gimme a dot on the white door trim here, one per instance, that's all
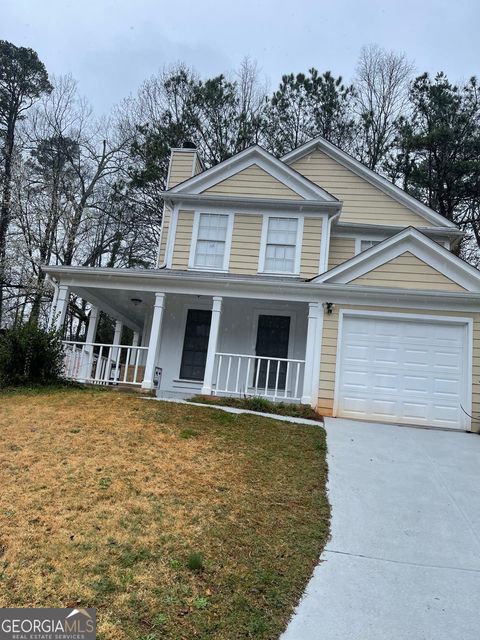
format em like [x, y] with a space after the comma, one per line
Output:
[414, 317]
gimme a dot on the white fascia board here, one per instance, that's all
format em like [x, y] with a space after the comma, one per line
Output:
[370, 176]
[156, 280]
[255, 205]
[409, 240]
[254, 155]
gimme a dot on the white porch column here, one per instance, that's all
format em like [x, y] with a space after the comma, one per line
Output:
[312, 352]
[87, 358]
[154, 341]
[135, 343]
[317, 362]
[92, 325]
[53, 306]
[212, 345]
[117, 338]
[61, 307]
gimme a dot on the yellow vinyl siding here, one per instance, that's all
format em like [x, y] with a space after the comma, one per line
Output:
[329, 355]
[183, 239]
[407, 272]
[245, 251]
[341, 250]
[253, 181]
[164, 237]
[362, 202]
[181, 166]
[312, 236]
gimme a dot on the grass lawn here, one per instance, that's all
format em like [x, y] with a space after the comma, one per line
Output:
[174, 521]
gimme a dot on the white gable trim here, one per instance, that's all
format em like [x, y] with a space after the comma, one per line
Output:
[414, 242]
[370, 176]
[251, 156]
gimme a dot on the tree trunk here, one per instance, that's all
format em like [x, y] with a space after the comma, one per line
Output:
[5, 208]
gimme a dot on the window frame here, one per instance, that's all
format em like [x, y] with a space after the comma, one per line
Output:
[263, 244]
[360, 239]
[228, 241]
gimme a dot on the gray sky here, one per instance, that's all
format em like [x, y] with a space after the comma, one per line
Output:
[110, 46]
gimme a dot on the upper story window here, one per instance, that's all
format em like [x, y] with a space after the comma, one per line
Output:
[211, 242]
[281, 245]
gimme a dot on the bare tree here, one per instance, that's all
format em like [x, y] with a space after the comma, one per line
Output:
[381, 97]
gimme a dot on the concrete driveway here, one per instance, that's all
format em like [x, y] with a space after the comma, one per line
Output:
[403, 561]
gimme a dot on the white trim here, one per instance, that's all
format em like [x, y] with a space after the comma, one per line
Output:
[370, 176]
[260, 157]
[172, 232]
[415, 242]
[325, 243]
[412, 317]
[194, 161]
[298, 244]
[163, 263]
[228, 240]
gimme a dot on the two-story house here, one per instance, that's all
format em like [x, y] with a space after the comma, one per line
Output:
[306, 279]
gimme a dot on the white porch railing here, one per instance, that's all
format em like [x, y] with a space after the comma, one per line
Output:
[272, 378]
[99, 363]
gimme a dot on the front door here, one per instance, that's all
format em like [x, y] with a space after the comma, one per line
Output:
[272, 341]
[195, 344]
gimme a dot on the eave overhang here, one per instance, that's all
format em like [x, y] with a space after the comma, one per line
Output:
[295, 290]
[252, 204]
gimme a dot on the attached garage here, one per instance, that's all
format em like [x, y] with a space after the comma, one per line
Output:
[404, 368]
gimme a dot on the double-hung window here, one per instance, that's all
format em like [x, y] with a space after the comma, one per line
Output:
[211, 241]
[281, 245]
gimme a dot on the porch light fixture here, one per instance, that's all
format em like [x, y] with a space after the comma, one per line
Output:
[328, 306]
[136, 301]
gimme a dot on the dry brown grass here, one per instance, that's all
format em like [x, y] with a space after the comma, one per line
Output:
[104, 496]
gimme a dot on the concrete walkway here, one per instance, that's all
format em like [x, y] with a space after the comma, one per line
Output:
[403, 561]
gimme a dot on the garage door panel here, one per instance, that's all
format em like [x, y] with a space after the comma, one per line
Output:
[417, 384]
[447, 387]
[402, 370]
[385, 382]
[415, 411]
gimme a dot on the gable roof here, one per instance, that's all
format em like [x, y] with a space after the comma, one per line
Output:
[409, 240]
[370, 176]
[258, 156]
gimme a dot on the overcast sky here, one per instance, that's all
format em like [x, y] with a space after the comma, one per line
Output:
[110, 46]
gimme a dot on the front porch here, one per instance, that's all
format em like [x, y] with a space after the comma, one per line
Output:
[185, 344]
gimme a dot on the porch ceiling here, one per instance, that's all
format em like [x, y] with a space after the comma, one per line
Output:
[118, 304]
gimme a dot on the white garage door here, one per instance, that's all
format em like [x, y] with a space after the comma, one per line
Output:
[408, 371]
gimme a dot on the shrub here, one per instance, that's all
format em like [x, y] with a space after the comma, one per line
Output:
[195, 561]
[30, 356]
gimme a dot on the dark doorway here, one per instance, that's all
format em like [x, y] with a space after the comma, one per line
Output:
[272, 341]
[195, 344]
